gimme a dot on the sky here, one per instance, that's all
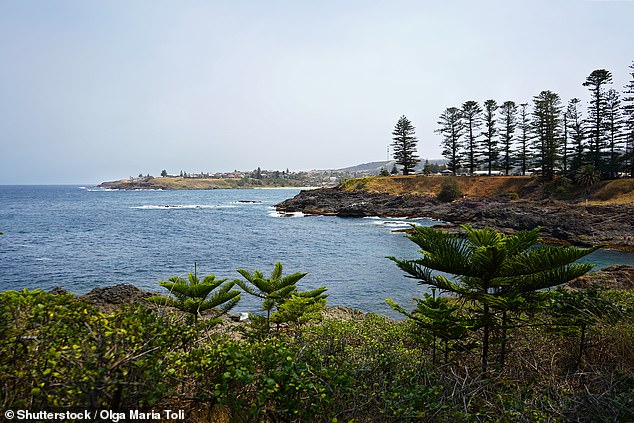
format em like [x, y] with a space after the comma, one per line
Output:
[101, 90]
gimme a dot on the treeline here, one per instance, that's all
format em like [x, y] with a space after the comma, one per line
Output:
[545, 134]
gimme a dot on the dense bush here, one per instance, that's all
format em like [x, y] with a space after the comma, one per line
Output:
[59, 352]
[449, 190]
[56, 351]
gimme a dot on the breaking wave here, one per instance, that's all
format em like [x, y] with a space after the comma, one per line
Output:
[182, 206]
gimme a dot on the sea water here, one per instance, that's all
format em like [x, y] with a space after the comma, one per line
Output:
[81, 238]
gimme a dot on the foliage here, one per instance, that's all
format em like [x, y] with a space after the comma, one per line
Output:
[499, 274]
[597, 114]
[546, 121]
[471, 113]
[574, 312]
[404, 145]
[442, 318]
[561, 188]
[489, 149]
[508, 112]
[266, 380]
[587, 175]
[449, 190]
[299, 310]
[451, 128]
[551, 138]
[57, 352]
[276, 290]
[192, 295]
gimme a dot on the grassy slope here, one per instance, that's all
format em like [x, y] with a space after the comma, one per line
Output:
[617, 191]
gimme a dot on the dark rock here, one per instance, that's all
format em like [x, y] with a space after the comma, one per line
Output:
[115, 295]
[611, 225]
[343, 313]
[58, 290]
[618, 276]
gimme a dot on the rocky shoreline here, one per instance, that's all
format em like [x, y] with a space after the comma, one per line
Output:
[617, 277]
[565, 222]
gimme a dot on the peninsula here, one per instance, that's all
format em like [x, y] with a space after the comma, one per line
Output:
[180, 183]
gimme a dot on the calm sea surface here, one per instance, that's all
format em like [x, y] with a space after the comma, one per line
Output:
[80, 238]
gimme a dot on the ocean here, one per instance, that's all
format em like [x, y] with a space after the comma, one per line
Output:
[80, 238]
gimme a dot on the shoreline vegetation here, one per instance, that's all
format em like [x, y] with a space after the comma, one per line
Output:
[113, 349]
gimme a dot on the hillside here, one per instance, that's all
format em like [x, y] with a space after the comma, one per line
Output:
[620, 191]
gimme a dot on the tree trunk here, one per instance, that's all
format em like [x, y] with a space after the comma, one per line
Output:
[503, 341]
[485, 340]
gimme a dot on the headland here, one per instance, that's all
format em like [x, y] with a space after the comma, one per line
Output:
[601, 214]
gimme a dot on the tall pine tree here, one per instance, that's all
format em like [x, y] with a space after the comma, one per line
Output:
[525, 138]
[596, 115]
[576, 146]
[508, 114]
[451, 128]
[471, 113]
[404, 145]
[614, 130]
[546, 117]
[564, 143]
[628, 109]
[489, 151]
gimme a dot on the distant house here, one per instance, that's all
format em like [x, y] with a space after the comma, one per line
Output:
[486, 173]
[446, 172]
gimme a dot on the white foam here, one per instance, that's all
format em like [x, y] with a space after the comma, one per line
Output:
[392, 223]
[97, 189]
[182, 206]
[275, 213]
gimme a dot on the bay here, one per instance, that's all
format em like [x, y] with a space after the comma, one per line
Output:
[80, 238]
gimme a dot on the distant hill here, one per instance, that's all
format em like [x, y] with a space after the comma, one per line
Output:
[375, 167]
[368, 167]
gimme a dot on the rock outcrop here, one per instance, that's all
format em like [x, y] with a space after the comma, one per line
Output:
[617, 276]
[578, 224]
[111, 296]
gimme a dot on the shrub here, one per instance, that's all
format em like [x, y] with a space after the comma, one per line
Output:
[276, 290]
[59, 352]
[192, 295]
[449, 190]
[503, 275]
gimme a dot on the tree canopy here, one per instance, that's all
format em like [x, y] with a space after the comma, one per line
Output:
[404, 145]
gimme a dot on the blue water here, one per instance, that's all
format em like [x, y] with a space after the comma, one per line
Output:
[81, 238]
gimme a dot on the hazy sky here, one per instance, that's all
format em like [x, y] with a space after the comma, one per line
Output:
[101, 90]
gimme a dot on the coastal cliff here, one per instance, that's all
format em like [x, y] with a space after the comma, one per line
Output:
[573, 222]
